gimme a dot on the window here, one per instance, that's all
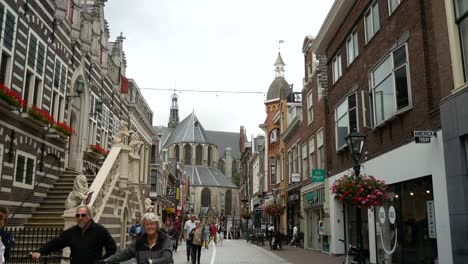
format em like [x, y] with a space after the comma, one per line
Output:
[153, 153]
[295, 167]
[336, 64]
[390, 86]
[320, 150]
[57, 104]
[304, 161]
[312, 160]
[32, 91]
[345, 119]
[188, 154]
[234, 167]
[25, 170]
[228, 202]
[392, 5]
[310, 109]
[371, 21]
[290, 165]
[92, 123]
[1, 160]
[352, 47]
[199, 155]
[104, 128]
[272, 171]
[461, 15]
[177, 153]
[154, 180]
[7, 33]
[221, 166]
[206, 197]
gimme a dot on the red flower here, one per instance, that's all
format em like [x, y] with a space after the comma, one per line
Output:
[357, 191]
[97, 148]
[64, 129]
[41, 115]
[11, 97]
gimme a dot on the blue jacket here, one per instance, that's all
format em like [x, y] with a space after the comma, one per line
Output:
[134, 232]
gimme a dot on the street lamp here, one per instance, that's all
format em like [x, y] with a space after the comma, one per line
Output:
[356, 142]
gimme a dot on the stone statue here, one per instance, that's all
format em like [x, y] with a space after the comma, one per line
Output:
[79, 193]
[120, 136]
[135, 143]
[148, 206]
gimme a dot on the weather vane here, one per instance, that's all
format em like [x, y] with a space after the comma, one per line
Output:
[279, 44]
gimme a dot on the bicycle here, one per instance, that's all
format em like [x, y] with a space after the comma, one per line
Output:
[351, 252]
[46, 259]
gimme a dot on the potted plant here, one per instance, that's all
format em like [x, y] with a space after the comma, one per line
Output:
[64, 129]
[97, 149]
[10, 99]
[360, 191]
[40, 116]
[274, 209]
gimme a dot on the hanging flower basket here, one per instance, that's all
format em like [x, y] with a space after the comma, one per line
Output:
[64, 129]
[274, 209]
[40, 115]
[360, 191]
[10, 99]
[96, 148]
[246, 215]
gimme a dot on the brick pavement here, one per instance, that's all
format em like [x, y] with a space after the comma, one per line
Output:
[301, 256]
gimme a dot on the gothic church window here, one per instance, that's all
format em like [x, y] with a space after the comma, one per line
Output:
[199, 154]
[206, 197]
[188, 154]
[221, 165]
[177, 153]
[228, 202]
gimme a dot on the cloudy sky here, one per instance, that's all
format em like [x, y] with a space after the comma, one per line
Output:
[227, 45]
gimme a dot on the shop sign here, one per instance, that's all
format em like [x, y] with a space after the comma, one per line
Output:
[177, 192]
[296, 177]
[318, 175]
[382, 215]
[423, 136]
[170, 192]
[431, 221]
[392, 215]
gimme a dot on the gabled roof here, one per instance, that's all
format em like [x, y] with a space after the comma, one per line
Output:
[225, 140]
[207, 176]
[188, 130]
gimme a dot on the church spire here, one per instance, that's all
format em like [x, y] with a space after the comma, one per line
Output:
[279, 66]
[174, 115]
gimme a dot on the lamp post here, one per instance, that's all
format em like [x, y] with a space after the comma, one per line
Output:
[356, 142]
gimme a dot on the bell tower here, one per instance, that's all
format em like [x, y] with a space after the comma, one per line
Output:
[174, 114]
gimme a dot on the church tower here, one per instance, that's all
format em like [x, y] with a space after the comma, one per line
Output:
[174, 115]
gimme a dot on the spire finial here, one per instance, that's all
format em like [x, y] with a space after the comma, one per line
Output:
[279, 44]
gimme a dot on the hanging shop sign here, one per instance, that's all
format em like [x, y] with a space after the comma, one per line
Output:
[296, 177]
[423, 136]
[318, 175]
[170, 192]
[177, 192]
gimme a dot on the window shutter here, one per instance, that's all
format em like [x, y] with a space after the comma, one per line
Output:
[20, 169]
[29, 171]
[367, 109]
[57, 74]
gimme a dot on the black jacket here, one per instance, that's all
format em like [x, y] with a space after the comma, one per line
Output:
[85, 247]
[160, 253]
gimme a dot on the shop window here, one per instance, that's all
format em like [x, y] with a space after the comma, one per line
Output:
[461, 18]
[336, 67]
[345, 119]
[310, 108]
[390, 89]
[352, 47]
[371, 21]
[25, 168]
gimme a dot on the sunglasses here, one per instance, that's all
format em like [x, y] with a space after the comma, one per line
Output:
[81, 215]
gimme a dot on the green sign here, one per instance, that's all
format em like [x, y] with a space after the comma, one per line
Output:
[318, 175]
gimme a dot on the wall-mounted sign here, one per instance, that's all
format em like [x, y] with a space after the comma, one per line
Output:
[392, 215]
[170, 192]
[431, 221]
[177, 192]
[318, 175]
[423, 136]
[382, 215]
[296, 177]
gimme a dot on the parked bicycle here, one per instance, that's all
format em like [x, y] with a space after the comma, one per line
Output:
[352, 255]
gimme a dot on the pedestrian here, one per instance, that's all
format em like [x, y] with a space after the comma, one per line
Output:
[213, 232]
[196, 238]
[86, 240]
[189, 225]
[7, 240]
[2, 246]
[206, 234]
[136, 230]
[177, 228]
[168, 229]
[220, 233]
[153, 247]
[294, 237]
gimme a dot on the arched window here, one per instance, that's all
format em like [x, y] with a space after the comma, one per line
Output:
[206, 198]
[234, 167]
[177, 153]
[188, 154]
[210, 155]
[221, 166]
[228, 202]
[199, 155]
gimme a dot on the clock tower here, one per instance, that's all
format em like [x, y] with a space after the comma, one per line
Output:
[174, 114]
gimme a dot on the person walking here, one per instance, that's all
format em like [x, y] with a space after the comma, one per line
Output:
[189, 225]
[168, 229]
[136, 230]
[7, 240]
[295, 237]
[153, 247]
[196, 238]
[213, 231]
[86, 240]
[206, 234]
[177, 228]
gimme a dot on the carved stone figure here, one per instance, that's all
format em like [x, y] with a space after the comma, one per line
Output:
[120, 136]
[135, 143]
[148, 206]
[79, 193]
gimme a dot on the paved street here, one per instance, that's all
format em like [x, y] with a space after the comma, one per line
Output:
[241, 252]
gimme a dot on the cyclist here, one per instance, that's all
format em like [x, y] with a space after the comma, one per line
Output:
[86, 240]
[153, 247]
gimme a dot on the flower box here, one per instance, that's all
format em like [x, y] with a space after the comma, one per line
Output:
[360, 191]
[41, 116]
[275, 210]
[63, 129]
[10, 99]
[97, 149]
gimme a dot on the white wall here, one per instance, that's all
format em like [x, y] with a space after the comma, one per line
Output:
[404, 163]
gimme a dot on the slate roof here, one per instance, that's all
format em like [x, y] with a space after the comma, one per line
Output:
[207, 176]
[279, 88]
[224, 140]
[188, 130]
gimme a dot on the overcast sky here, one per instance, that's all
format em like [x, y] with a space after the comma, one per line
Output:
[213, 45]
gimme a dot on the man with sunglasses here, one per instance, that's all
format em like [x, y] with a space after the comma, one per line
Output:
[86, 240]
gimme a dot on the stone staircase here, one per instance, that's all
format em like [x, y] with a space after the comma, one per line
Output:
[50, 211]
